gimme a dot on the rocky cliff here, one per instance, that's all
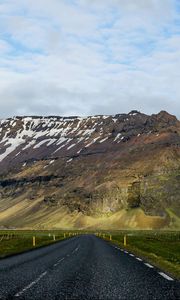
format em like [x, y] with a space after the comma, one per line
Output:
[120, 171]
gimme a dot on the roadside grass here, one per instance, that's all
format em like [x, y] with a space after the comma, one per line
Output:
[160, 248]
[13, 242]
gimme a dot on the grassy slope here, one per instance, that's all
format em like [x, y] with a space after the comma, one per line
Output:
[37, 216]
[21, 211]
[175, 220]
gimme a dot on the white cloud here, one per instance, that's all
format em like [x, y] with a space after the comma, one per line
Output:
[4, 47]
[106, 56]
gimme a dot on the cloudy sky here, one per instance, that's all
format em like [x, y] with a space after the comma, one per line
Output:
[83, 57]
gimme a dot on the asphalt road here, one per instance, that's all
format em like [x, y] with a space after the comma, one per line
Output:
[83, 267]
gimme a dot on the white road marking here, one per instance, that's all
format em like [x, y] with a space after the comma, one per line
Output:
[55, 265]
[126, 251]
[76, 249]
[166, 276]
[131, 254]
[37, 280]
[60, 260]
[138, 258]
[31, 284]
[148, 265]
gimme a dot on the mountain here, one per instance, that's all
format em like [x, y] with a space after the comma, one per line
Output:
[108, 172]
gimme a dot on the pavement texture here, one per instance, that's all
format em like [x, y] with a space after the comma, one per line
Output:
[83, 267]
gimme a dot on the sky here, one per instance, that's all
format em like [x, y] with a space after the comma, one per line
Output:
[87, 57]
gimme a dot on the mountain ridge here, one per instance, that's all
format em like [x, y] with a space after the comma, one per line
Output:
[98, 171]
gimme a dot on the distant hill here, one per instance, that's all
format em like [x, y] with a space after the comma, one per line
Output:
[108, 172]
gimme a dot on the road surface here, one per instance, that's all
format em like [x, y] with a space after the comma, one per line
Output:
[83, 267]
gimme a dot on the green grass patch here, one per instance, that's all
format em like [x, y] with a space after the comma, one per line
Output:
[13, 242]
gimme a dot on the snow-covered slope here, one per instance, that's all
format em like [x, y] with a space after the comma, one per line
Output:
[28, 137]
[25, 138]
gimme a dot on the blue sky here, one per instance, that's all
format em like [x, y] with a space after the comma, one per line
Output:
[86, 57]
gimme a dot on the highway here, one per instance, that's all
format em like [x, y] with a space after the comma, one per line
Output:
[83, 267]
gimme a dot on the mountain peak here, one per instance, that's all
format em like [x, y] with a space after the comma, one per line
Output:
[134, 112]
[164, 116]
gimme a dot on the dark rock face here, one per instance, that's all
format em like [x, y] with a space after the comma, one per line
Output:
[24, 181]
[94, 166]
[134, 197]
